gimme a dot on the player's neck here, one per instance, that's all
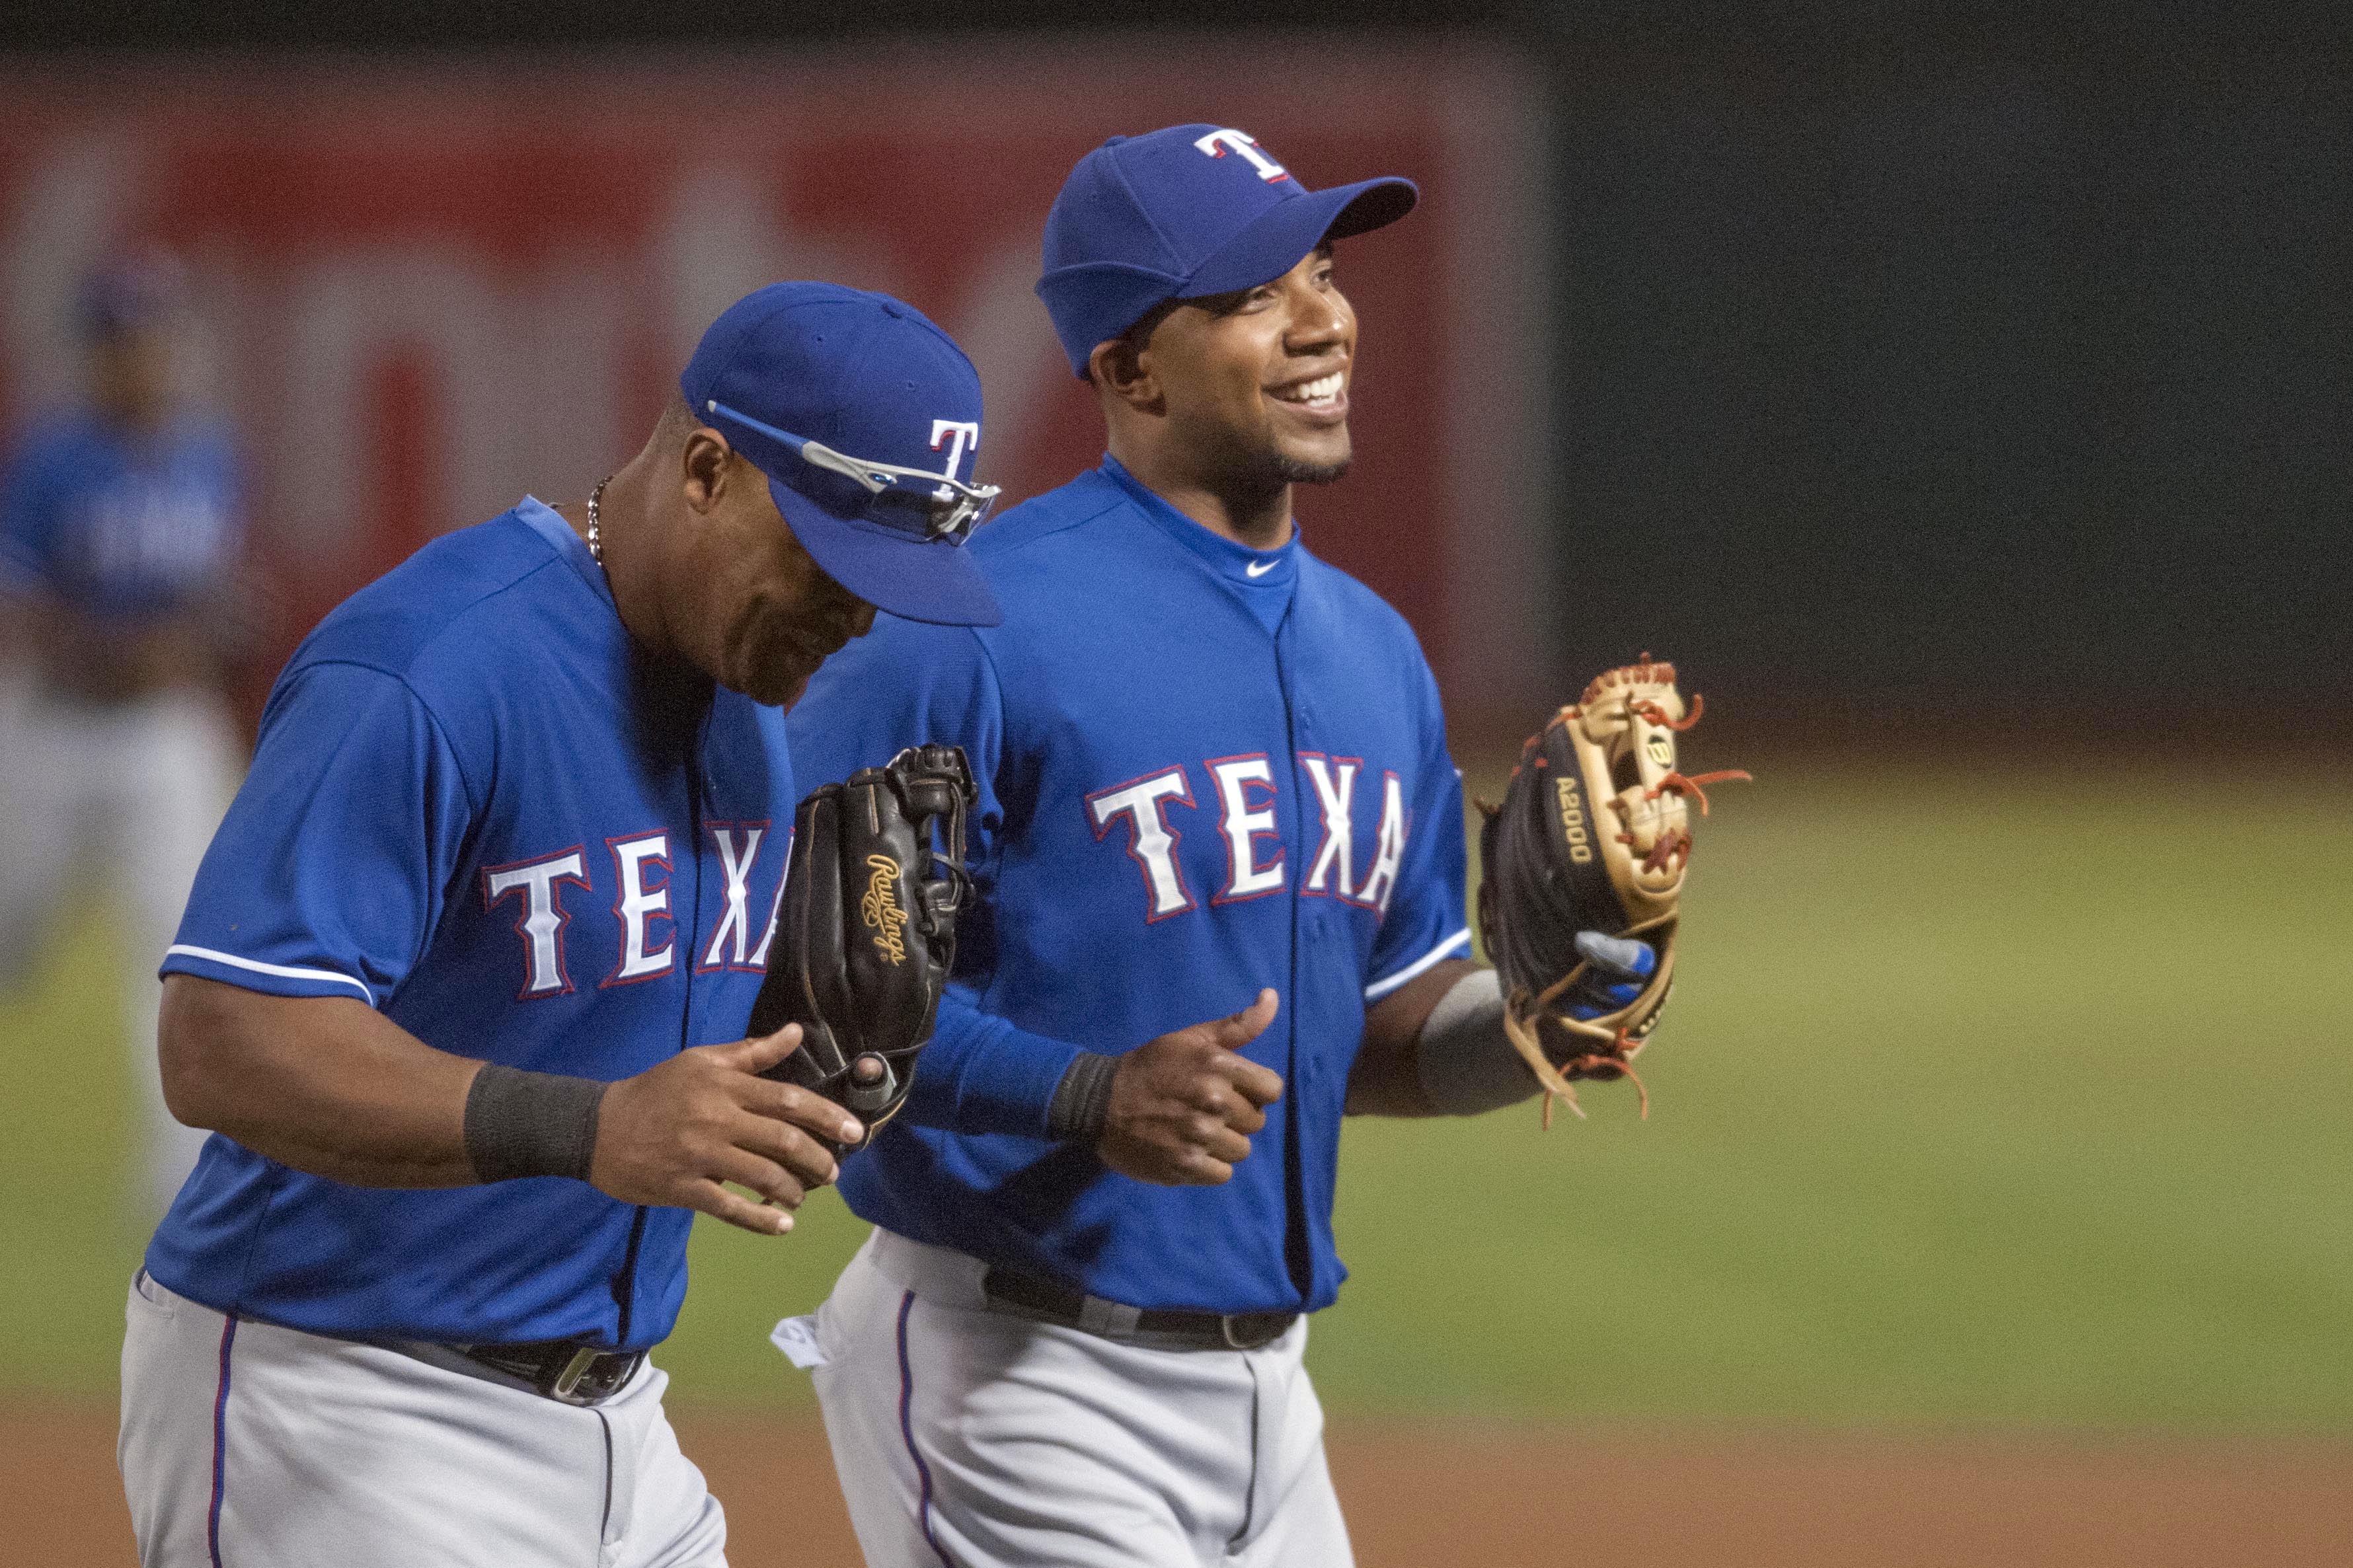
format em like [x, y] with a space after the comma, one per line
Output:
[1257, 517]
[628, 569]
[1253, 522]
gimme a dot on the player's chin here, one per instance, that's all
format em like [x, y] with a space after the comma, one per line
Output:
[779, 680]
[1318, 463]
[782, 692]
[1308, 454]
[773, 670]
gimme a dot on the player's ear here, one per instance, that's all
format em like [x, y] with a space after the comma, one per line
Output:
[705, 465]
[1119, 368]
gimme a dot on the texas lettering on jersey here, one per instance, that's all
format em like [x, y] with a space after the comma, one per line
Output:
[645, 926]
[1247, 798]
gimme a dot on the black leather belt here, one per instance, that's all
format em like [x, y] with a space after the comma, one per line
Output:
[561, 1368]
[1047, 1301]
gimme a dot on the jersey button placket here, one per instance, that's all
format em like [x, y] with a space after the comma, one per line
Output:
[1300, 718]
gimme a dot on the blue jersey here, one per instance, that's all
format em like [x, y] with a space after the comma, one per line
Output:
[120, 527]
[478, 809]
[1203, 771]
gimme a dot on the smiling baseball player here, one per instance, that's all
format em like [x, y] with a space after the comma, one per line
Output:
[1214, 780]
[460, 984]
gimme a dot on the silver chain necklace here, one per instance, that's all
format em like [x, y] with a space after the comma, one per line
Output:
[596, 499]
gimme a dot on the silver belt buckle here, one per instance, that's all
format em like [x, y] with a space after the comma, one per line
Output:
[568, 1380]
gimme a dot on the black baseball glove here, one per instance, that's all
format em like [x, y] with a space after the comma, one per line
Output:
[867, 933]
[1583, 879]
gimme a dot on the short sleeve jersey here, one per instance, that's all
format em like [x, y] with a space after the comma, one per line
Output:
[477, 807]
[1204, 771]
[120, 527]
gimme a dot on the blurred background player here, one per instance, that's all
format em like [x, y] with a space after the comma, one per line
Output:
[119, 541]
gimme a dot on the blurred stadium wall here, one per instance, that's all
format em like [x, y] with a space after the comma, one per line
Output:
[1986, 386]
[1919, 376]
[433, 288]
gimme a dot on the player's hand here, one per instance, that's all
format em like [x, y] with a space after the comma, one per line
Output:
[1183, 1106]
[672, 1134]
[1616, 968]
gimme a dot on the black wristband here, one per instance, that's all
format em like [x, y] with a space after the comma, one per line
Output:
[522, 1123]
[1082, 1101]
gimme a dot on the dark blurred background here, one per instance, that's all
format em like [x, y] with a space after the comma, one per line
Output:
[1917, 370]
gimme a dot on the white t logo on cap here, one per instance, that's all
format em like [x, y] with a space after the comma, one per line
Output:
[1216, 142]
[958, 434]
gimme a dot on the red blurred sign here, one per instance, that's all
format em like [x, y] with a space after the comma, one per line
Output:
[434, 288]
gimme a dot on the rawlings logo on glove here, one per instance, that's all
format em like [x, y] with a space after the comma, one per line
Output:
[860, 950]
[1584, 867]
[880, 908]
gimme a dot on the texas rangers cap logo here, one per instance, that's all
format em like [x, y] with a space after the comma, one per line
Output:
[1217, 143]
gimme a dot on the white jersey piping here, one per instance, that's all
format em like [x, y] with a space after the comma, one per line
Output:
[284, 972]
[1380, 988]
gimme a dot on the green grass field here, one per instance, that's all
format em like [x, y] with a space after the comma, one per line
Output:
[1980, 1103]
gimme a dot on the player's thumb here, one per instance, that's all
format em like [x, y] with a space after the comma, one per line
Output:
[1239, 1029]
[761, 1052]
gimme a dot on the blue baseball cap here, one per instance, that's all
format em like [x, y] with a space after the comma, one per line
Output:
[1184, 213]
[865, 417]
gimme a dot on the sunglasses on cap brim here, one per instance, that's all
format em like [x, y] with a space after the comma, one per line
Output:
[948, 508]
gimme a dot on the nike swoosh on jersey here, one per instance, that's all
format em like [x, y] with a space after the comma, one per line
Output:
[1260, 568]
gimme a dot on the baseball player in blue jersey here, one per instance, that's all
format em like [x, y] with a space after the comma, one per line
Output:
[119, 545]
[460, 984]
[1214, 781]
